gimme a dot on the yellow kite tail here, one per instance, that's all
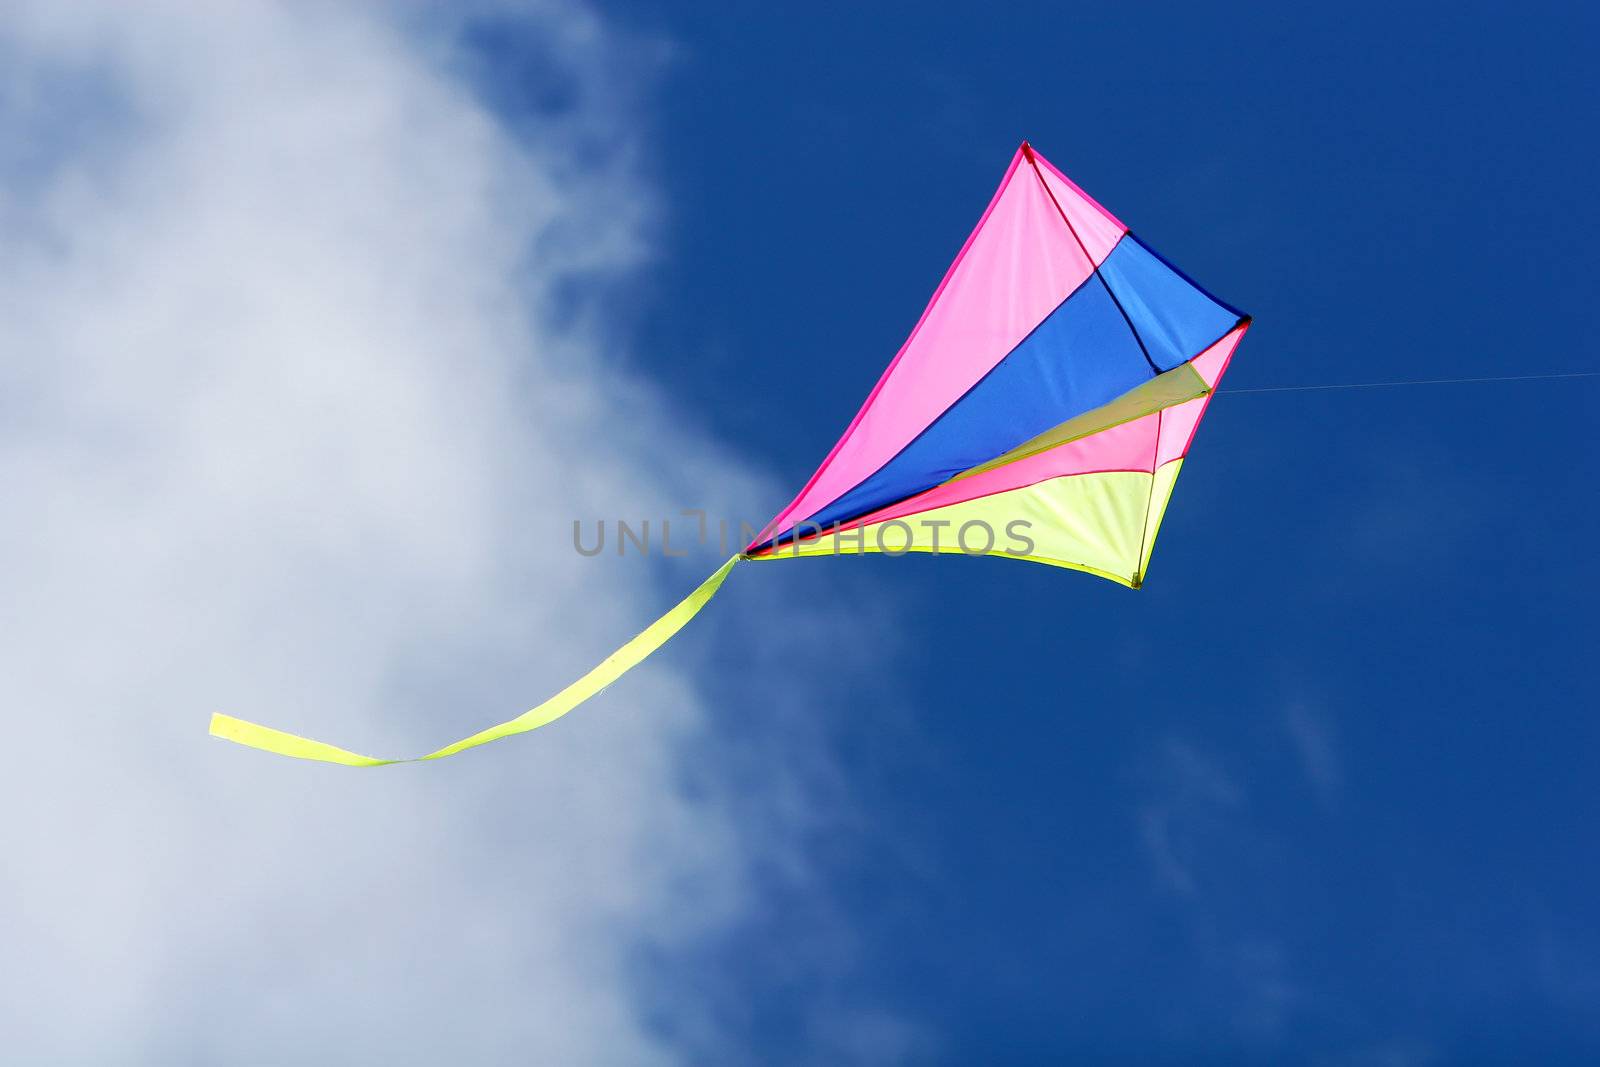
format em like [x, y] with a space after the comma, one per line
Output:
[610, 669]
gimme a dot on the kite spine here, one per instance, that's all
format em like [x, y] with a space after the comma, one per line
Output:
[1027, 153]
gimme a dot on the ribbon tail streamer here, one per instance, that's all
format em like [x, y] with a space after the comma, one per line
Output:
[610, 669]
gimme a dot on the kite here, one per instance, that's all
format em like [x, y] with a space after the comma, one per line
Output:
[1040, 409]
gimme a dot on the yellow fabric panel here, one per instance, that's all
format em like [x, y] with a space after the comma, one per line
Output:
[1160, 495]
[1180, 384]
[1089, 522]
[610, 669]
[1120, 579]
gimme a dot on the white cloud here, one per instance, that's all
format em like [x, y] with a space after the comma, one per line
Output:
[295, 409]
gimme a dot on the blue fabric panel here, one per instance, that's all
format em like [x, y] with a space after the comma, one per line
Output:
[1176, 318]
[1080, 357]
[1083, 355]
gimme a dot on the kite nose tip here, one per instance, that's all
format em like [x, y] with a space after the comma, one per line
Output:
[1027, 150]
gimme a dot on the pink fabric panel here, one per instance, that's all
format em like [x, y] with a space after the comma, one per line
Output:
[1017, 266]
[1099, 228]
[1211, 363]
[1179, 423]
[1177, 428]
[1128, 447]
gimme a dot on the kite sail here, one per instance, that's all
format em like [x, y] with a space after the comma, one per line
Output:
[1041, 409]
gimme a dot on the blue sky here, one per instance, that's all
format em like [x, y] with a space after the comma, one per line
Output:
[1323, 791]
[323, 323]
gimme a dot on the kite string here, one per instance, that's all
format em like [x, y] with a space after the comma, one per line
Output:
[1416, 381]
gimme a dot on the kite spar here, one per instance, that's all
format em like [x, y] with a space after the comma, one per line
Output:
[1041, 409]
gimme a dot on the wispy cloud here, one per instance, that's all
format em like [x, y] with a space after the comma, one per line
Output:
[1192, 791]
[1203, 847]
[1400, 1052]
[1314, 742]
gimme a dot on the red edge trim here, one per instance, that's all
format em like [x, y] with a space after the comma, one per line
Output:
[782, 516]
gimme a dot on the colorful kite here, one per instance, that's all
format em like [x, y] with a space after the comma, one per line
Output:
[1041, 409]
